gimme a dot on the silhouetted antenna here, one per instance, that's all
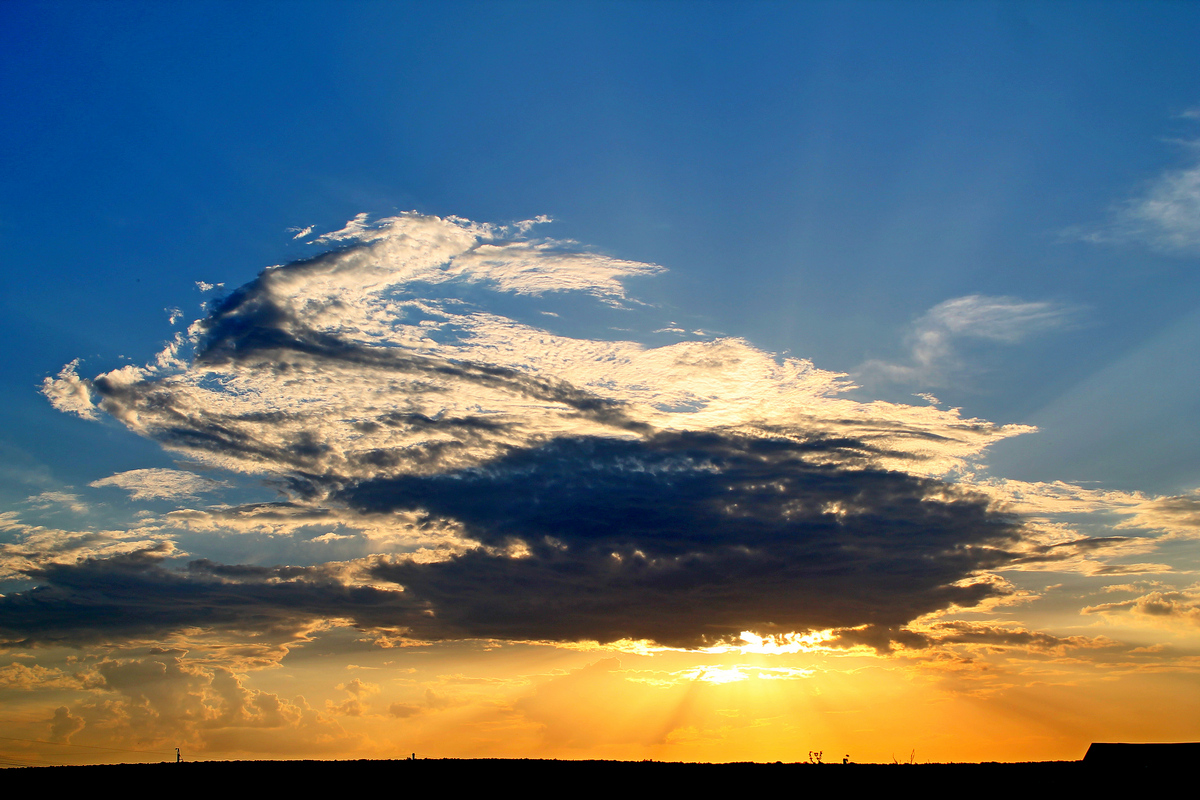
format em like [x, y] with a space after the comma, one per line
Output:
[178, 757]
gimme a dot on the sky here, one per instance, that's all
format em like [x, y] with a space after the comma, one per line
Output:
[686, 381]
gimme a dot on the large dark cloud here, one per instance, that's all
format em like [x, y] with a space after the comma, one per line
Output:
[135, 595]
[685, 539]
[603, 490]
[689, 538]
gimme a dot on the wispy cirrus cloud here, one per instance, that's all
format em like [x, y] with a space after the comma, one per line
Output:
[147, 484]
[57, 500]
[1165, 216]
[937, 338]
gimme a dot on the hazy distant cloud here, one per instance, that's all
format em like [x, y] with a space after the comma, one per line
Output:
[354, 705]
[557, 703]
[992, 635]
[147, 484]
[64, 725]
[1182, 606]
[161, 699]
[404, 710]
[937, 337]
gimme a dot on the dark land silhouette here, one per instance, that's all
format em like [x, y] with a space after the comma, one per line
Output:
[1106, 765]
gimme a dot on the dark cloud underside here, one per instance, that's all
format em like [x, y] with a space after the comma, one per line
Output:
[688, 538]
[684, 539]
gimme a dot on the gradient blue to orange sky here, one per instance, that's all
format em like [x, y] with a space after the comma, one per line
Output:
[688, 381]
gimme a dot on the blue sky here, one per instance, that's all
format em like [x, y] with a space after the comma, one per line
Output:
[815, 176]
[990, 207]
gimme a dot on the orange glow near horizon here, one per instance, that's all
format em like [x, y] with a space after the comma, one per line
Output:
[540, 701]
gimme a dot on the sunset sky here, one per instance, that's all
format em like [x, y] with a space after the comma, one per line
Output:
[687, 381]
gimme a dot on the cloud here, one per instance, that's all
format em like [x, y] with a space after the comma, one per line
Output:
[36, 677]
[354, 705]
[537, 486]
[403, 710]
[716, 534]
[1054, 513]
[358, 688]
[70, 394]
[161, 699]
[938, 336]
[1179, 515]
[991, 636]
[49, 500]
[132, 595]
[1166, 607]
[416, 535]
[1167, 216]
[64, 725]
[414, 248]
[32, 547]
[147, 484]
[345, 365]
[537, 267]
